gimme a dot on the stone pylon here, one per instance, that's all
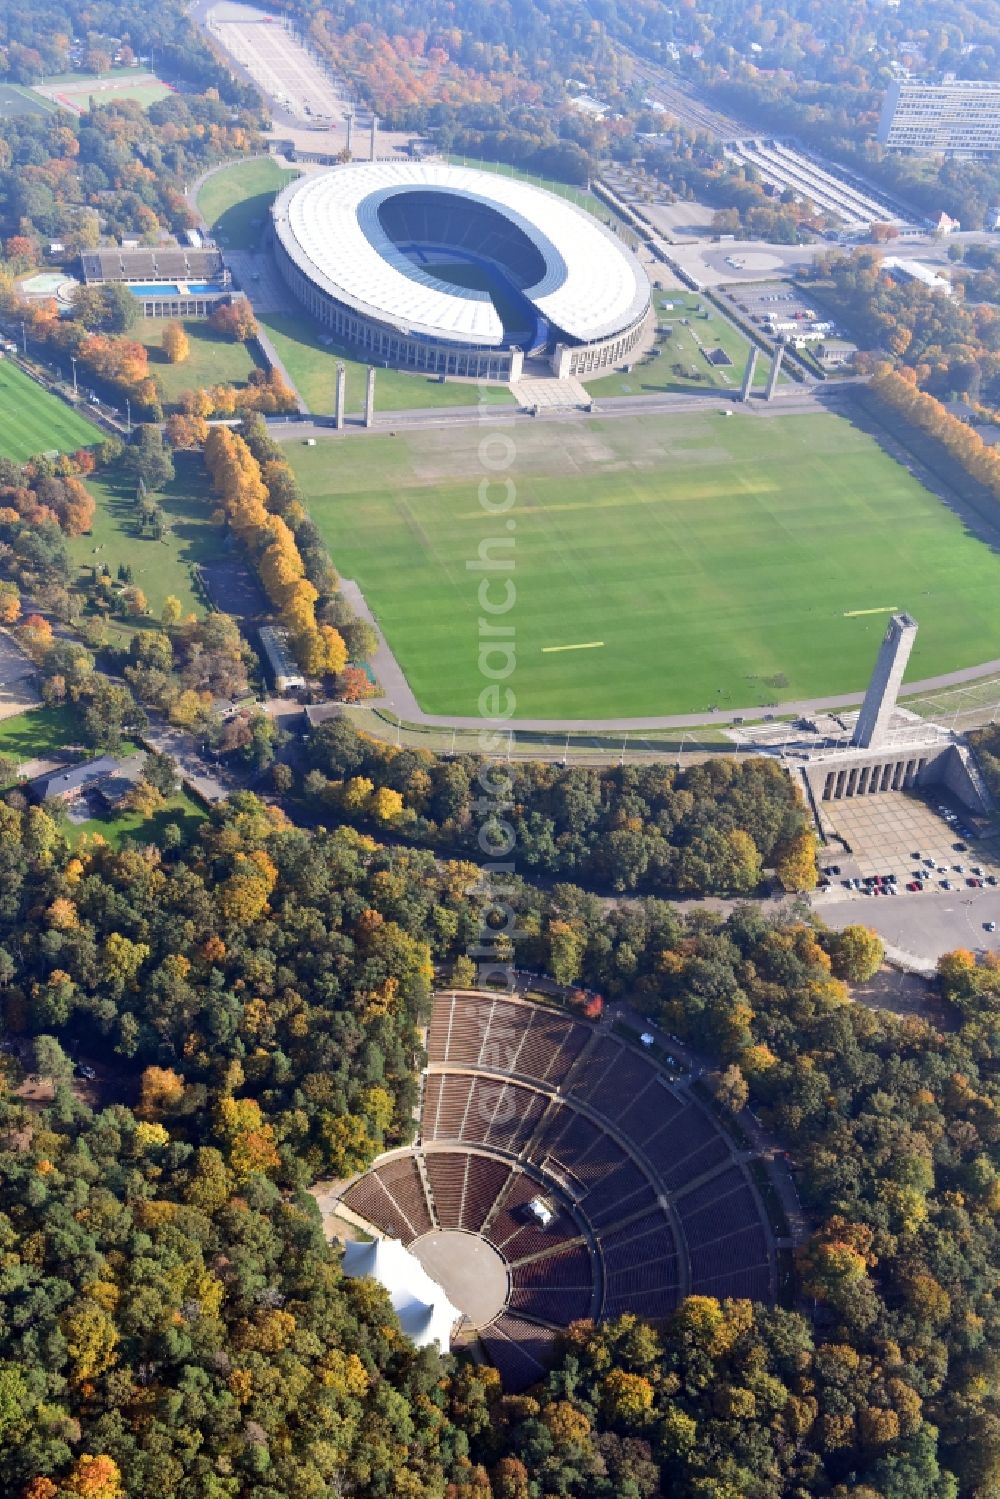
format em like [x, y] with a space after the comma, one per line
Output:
[370, 398]
[872, 728]
[749, 372]
[338, 408]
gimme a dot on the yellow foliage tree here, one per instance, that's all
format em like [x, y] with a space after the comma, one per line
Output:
[170, 615]
[796, 864]
[626, 1398]
[161, 1092]
[91, 1339]
[175, 343]
[94, 1478]
[386, 805]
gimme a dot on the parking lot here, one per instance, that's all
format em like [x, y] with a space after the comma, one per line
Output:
[896, 833]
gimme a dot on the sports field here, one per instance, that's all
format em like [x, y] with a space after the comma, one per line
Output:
[691, 561]
[33, 421]
[74, 91]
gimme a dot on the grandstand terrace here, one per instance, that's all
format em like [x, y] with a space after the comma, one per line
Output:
[645, 1199]
[173, 263]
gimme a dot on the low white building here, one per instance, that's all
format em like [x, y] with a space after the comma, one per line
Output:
[915, 270]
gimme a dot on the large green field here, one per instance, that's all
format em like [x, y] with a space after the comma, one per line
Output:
[701, 560]
[33, 421]
[235, 202]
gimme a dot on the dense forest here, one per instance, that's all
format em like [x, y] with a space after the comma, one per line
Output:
[714, 827]
[116, 168]
[171, 1319]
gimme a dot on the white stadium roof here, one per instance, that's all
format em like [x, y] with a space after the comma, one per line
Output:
[424, 1311]
[328, 223]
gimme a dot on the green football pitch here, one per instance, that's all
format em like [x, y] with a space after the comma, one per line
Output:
[33, 421]
[661, 564]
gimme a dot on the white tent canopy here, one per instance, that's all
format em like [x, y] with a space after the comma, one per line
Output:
[424, 1311]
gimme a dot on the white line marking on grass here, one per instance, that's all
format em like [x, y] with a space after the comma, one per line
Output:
[885, 609]
[587, 645]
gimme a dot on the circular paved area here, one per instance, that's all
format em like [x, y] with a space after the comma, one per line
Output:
[470, 1271]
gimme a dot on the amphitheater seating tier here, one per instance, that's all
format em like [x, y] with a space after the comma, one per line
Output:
[629, 1160]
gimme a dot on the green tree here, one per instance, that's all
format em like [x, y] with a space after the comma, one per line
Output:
[148, 458]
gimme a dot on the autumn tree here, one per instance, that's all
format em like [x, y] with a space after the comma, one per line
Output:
[796, 866]
[857, 953]
[175, 343]
[234, 319]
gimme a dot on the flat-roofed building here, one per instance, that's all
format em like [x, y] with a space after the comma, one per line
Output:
[961, 117]
[283, 666]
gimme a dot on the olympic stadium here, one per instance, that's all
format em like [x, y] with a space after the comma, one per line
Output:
[451, 271]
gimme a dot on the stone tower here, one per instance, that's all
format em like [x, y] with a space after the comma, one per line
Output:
[872, 728]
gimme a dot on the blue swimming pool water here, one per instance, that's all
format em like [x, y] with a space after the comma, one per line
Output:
[170, 289]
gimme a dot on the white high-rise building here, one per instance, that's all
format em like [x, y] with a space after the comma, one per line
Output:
[962, 117]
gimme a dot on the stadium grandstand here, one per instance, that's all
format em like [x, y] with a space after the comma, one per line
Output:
[167, 281]
[604, 1185]
[452, 271]
[172, 263]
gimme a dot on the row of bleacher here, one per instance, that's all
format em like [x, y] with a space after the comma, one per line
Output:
[173, 264]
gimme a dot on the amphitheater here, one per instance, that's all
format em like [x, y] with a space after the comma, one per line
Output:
[452, 271]
[649, 1200]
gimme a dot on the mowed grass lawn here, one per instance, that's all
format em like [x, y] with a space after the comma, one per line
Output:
[159, 567]
[34, 421]
[235, 202]
[313, 368]
[212, 360]
[703, 560]
[180, 809]
[43, 731]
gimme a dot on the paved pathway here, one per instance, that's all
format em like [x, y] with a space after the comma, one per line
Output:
[212, 782]
[788, 401]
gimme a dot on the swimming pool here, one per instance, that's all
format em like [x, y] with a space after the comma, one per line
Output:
[171, 289]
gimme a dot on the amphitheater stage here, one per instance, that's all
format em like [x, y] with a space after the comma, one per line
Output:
[471, 1272]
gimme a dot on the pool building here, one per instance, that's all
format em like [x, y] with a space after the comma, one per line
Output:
[169, 283]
